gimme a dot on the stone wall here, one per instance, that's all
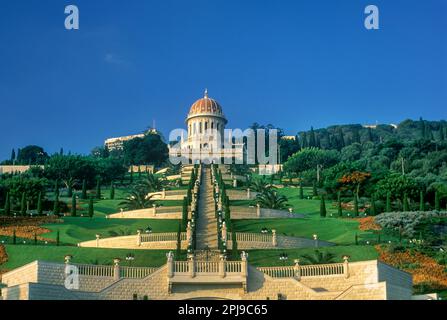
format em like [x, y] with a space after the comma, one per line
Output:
[174, 213]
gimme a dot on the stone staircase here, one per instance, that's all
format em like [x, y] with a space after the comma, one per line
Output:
[206, 222]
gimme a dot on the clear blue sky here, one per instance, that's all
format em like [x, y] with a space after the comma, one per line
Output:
[294, 64]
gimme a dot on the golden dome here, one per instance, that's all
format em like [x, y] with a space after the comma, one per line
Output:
[206, 105]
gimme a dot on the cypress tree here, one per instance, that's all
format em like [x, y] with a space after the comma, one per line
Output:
[23, 205]
[131, 174]
[91, 210]
[7, 210]
[56, 209]
[179, 241]
[339, 208]
[437, 201]
[56, 189]
[234, 250]
[13, 155]
[373, 206]
[322, 207]
[57, 238]
[314, 189]
[14, 237]
[98, 189]
[84, 190]
[312, 140]
[112, 191]
[70, 190]
[39, 204]
[139, 172]
[35, 239]
[421, 201]
[301, 191]
[73, 205]
[185, 213]
[405, 203]
[388, 202]
[356, 205]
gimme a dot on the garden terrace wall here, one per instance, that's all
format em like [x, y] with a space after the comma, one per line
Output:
[174, 213]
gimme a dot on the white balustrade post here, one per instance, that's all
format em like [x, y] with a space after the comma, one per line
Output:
[163, 193]
[188, 232]
[346, 266]
[154, 206]
[222, 262]
[122, 212]
[274, 238]
[170, 263]
[234, 183]
[138, 238]
[258, 210]
[248, 194]
[297, 269]
[116, 269]
[224, 232]
[97, 240]
[244, 269]
[192, 266]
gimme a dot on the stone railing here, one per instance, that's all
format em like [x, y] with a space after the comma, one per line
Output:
[298, 271]
[136, 272]
[116, 271]
[167, 236]
[95, 270]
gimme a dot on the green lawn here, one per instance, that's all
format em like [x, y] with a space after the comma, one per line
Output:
[20, 255]
[77, 229]
[266, 258]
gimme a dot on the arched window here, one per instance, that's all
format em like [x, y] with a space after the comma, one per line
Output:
[200, 127]
[212, 124]
[206, 125]
[194, 128]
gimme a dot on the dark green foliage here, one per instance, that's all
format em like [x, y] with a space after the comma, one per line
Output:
[98, 189]
[314, 189]
[356, 205]
[179, 240]
[234, 250]
[339, 207]
[73, 205]
[14, 237]
[301, 191]
[35, 239]
[84, 190]
[421, 201]
[373, 210]
[356, 239]
[39, 204]
[437, 201]
[406, 205]
[112, 191]
[185, 213]
[57, 238]
[148, 150]
[23, 205]
[56, 206]
[91, 210]
[388, 202]
[323, 211]
[7, 208]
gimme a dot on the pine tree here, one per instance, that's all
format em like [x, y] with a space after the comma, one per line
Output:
[112, 191]
[341, 138]
[39, 204]
[339, 207]
[437, 201]
[388, 202]
[57, 238]
[73, 205]
[322, 207]
[61, 151]
[421, 201]
[91, 210]
[356, 205]
[7, 210]
[301, 191]
[405, 203]
[370, 135]
[13, 155]
[84, 190]
[98, 189]
[23, 205]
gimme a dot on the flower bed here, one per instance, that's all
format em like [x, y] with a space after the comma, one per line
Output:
[425, 270]
[26, 228]
[367, 224]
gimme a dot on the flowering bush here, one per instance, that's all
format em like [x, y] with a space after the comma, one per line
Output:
[425, 270]
[368, 223]
[405, 221]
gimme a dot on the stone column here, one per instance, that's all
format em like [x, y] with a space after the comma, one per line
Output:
[274, 238]
[97, 240]
[234, 183]
[346, 266]
[224, 232]
[170, 263]
[122, 213]
[222, 271]
[67, 259]
[138, 238]
[116, 269]
[244, 264]
[258, 210]
[191, 266]
[248, 193]
[297, 269]
[163, 193]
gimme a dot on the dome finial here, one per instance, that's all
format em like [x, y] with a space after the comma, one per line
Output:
[206, 93]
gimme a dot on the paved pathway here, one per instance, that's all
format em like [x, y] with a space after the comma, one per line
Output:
[206, 222]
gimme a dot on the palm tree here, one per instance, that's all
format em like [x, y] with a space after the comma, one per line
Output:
[137, 199]
[270, 198]
[259, 185]
[153, 183]
[319, 257]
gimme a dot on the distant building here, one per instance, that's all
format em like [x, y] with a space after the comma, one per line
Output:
[374, 126]
[291, 138]
[118, 142]
[15, 169]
